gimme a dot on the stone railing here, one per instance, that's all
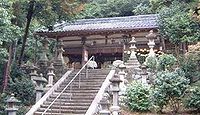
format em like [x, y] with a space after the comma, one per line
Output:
[94, 106]
[50, 91]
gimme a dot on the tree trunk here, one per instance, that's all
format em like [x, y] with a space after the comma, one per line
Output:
[8, 67]
[29, 17]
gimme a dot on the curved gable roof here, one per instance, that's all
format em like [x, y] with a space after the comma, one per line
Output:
[103, 25]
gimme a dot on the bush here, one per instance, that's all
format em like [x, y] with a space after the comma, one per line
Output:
[151, 62]
[166, 61]
[137, 97]
[190, 66]
[193, 100]
[23, 89]
[169, 88]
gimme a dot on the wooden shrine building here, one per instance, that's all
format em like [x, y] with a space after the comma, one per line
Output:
[105, 38]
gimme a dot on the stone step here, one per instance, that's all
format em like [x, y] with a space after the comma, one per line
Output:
[86, 85]
[40, 113]
[72, 96]
[76, 91]
[68, 101]
[78, 100]
[66, 107]
[68, 104]
[63, 111]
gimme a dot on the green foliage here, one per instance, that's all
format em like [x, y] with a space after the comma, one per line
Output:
[151, 62]
[176, 24]
[112, 8]
[166, 61]
[2, 103]
[190, 67]
[193, 100]
[137, 97]
[23, 88]
[169, 88]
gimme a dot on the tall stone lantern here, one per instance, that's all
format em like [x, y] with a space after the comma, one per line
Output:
[132, 62]
[59, 63]
[43, 61]
[151, 37]
[115, 80]
[12, 108]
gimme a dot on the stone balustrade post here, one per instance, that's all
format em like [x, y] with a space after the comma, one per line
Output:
[115, 80]
[50, 76]
[11, 105]
[151, 37]
[122, 75]
[144, 74]
[104, 105]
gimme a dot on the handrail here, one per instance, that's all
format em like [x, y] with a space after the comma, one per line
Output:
[68, 85]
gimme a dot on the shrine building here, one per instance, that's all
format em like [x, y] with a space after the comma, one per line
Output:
[105, 38]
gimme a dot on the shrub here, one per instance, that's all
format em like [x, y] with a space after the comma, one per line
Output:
[193, 100]
[169, 88]
[166, 61]
[137, 97]
[23, 89]
[151, 62]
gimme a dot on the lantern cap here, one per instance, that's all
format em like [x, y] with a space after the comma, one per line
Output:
[122, 66]
[12, 99]
[115, 79]
[151, 35]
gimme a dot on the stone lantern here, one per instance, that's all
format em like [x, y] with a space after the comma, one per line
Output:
[33, 73]
[38, 81]
[151, 37]
[122, 74]
[43, 61]
[105, 105]
[115, 81]
[132, 62]
[12, 108]
[59, 62]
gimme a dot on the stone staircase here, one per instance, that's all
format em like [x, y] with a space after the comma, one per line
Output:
[78, 100]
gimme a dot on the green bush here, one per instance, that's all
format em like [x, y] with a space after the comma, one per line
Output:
[137, 97]
[193, 100]
[23, 89]
[190, 66]
[151, 62]
[169, 88]
[166, 61]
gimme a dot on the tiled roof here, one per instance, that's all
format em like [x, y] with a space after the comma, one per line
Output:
[113, 23]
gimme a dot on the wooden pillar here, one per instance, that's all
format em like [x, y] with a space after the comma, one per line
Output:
[84, 51]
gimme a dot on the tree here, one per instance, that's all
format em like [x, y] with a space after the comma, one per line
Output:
[117, 8]
[176, 25]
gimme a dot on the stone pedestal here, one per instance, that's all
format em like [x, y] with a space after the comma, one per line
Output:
[115, 109]
[39, 92]
[11, 105]
[104, 105]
